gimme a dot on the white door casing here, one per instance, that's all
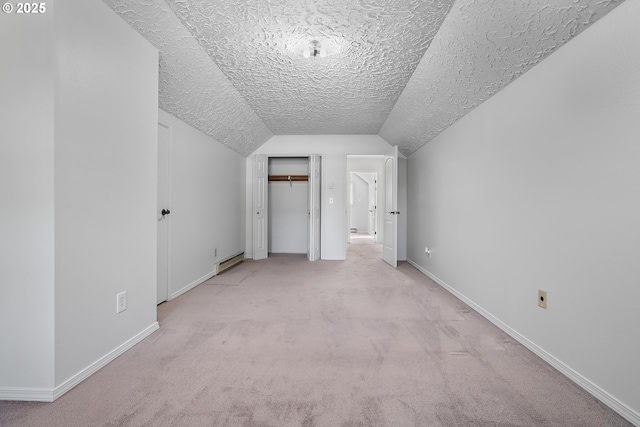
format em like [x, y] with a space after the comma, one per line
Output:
[162, 280]
[313, 252]
[260, 206]
[390, 247]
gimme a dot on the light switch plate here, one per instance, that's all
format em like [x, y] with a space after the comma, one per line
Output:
[121, 302]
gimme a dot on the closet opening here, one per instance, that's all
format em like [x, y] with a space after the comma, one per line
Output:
[288, 190]
[286, 200]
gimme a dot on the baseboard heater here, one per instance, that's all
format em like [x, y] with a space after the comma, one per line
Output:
[229, 262]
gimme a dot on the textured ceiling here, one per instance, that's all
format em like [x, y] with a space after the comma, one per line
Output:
[351, 92]
[481, 47]
[406, 69]
[192, 87]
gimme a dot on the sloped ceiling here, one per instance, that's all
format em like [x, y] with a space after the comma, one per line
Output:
[481, 47]
[404, 69]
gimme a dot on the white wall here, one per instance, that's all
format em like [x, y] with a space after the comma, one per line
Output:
[78, 194]
[288, 207]
[26, 197]
[105, 184]
[334, 150]
[207, 205]
[538, 189]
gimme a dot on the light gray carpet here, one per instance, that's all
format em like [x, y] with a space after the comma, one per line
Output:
[328, 343]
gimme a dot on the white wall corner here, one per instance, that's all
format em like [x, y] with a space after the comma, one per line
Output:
[51, 394]
[191, 285]
[600, 394]
[103, 361]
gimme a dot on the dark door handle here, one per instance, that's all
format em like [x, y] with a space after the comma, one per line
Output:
[165, 212]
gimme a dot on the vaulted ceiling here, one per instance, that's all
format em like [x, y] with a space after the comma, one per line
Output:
[403, 69]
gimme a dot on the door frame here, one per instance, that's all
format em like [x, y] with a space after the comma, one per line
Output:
[256, 188]
[378, 169]
[372, 201]
[160, 217]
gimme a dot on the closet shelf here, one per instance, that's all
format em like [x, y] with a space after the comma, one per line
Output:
[288, 178]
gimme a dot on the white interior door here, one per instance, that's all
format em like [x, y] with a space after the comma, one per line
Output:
[373, 203]
[313, 253]
[390, 247]
[164, 138]
[260, 206]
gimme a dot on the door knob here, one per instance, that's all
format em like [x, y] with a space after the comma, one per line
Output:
[165, 212]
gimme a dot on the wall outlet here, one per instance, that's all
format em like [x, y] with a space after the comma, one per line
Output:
[542, 299]
[121, 302]
[427, 251]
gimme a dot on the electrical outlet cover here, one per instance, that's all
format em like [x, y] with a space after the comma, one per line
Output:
[542, 299]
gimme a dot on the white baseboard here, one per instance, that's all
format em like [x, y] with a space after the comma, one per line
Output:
[51, 394]
[103, 361]
[191, 285]
[602, 395]
[27, 394]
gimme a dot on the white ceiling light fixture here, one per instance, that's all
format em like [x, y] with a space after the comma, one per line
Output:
[314, 50]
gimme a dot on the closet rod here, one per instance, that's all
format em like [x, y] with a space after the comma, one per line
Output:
[288, 178]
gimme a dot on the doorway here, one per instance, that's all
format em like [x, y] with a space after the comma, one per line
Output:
[391, 201]
[365, 168]
[363, 203]
[288, 189]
